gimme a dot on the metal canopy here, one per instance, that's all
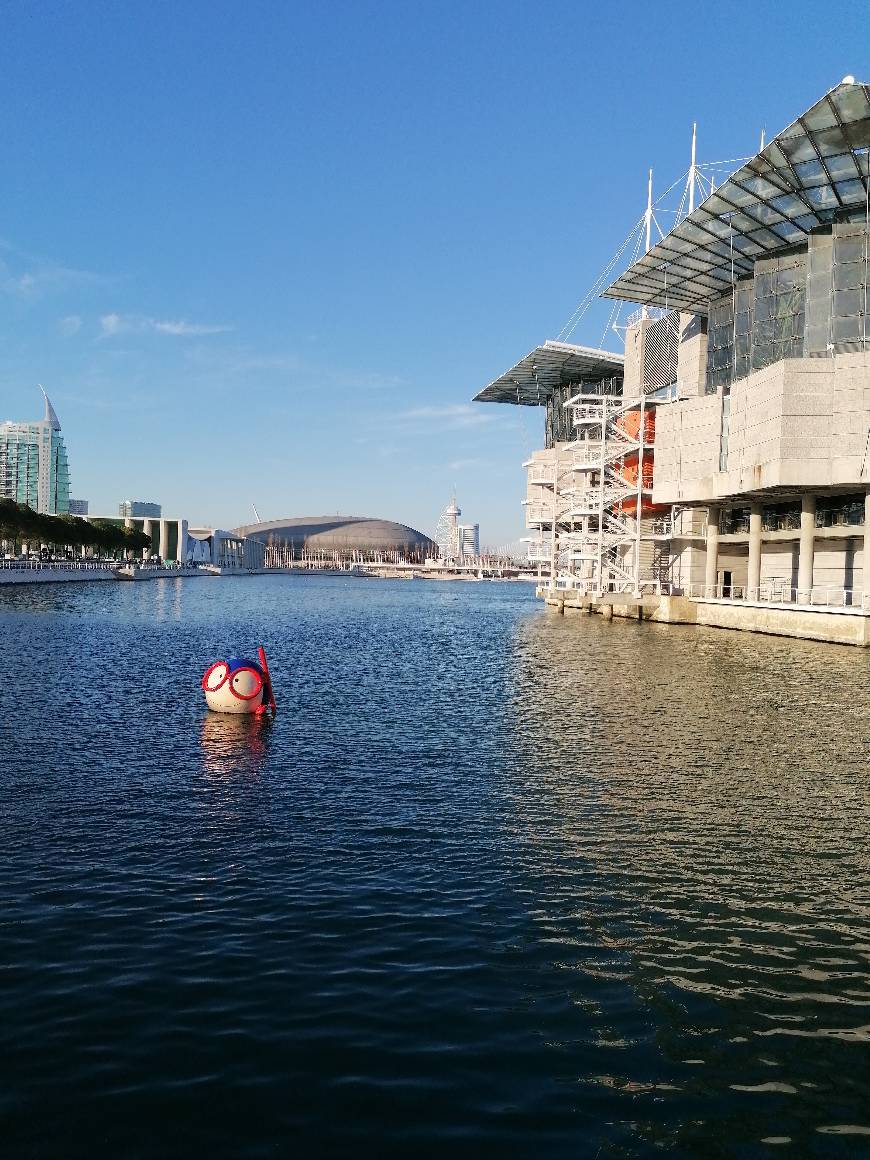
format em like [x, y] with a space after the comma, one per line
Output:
[800, 180]
[555, 364]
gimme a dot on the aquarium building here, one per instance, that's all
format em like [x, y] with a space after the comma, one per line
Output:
[750, 351]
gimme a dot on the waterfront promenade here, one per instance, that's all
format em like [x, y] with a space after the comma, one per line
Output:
[38, 572]
[83, 571]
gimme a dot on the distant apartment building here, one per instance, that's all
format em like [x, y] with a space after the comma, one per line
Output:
[33, 463]
[468, 536]
[78, 507]
[139, 509]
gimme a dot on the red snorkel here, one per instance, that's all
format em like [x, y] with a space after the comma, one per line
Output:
[268, 694]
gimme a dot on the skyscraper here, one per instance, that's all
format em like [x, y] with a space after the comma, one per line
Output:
[33, 463]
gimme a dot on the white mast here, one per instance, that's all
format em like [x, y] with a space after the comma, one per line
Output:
[693, 168]
[649, 217]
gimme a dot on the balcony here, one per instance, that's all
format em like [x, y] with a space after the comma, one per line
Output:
[542, 473]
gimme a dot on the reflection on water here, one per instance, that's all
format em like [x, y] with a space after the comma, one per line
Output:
[234, 743]
[693, 809]
[494, 882]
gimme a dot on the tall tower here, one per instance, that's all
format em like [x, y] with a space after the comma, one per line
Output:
[33, 463]
[447, 531]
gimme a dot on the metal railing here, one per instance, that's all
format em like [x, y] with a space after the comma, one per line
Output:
[624, 587]
[819, 596]
[537, 513]
[36, 565]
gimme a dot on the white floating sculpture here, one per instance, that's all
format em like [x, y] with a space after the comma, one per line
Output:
[239, 685]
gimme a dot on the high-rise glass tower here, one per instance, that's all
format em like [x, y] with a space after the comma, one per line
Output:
[33, 463]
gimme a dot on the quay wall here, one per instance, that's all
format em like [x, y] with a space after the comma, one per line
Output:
[833, 627]
[53, 576]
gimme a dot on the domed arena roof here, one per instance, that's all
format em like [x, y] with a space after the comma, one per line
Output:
[340, 533]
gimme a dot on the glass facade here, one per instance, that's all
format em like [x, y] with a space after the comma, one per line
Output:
[837, 289]
[19, 464]
[58, 484]
[807, 302]
[832, 511]
[777, 321]
[840, 511]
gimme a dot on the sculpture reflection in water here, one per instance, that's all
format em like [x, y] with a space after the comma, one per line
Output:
[234, 744]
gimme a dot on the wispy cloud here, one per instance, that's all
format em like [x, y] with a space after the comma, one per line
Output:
[29, 276]
[113, 324]
[189, 329]
[449, 416]
[467, 464]
[70, 325]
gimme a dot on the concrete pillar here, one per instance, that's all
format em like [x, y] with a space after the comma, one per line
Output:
[147, 528]
[753, 581]
[164, 539]
[807, 548]
[866, 576]
[711, 563]
[182, 541]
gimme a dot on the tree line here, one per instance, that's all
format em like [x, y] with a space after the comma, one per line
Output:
[21, 524]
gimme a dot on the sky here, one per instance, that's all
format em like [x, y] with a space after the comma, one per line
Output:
[266, 253]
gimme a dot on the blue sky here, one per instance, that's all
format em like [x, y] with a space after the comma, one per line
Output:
[267, 252]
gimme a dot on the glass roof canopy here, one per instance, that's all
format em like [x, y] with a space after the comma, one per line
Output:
[800, 180]
[555, 364]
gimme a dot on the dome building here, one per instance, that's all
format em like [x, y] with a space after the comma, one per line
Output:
[344, 536]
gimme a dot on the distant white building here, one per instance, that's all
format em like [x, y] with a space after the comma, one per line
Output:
[468, 536]
[139, 509]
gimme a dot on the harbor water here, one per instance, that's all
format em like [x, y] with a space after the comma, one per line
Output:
[494, 883]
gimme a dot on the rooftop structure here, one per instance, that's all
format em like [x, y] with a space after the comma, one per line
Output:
[808, 176]
[33, 463]
[534, 380]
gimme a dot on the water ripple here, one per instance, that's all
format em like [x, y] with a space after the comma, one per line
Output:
[494, 881]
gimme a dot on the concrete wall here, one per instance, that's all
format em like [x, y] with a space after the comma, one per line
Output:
[839, 563]
[833, 627]
[799, 423]
[632, 370]
[779, 563]
[691, 357]
[836, 628]
[687, 565]
[686, 448]
[53, 576]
